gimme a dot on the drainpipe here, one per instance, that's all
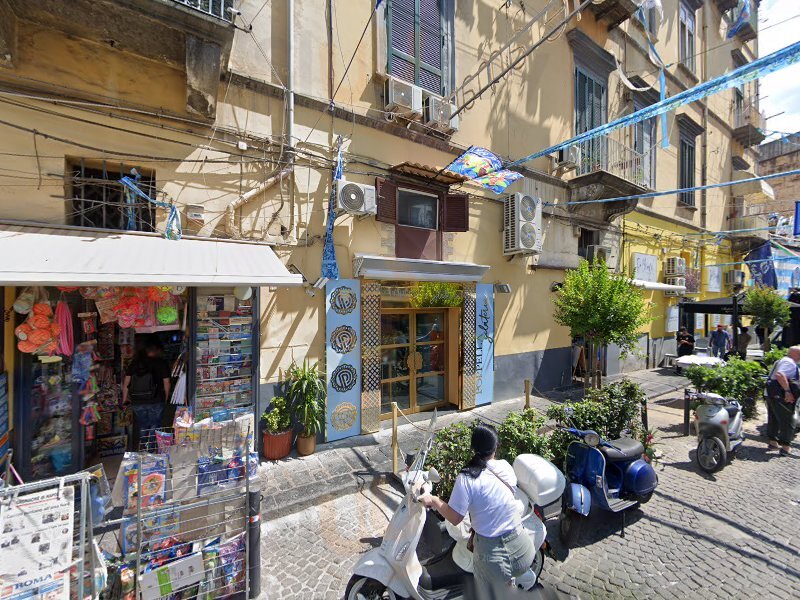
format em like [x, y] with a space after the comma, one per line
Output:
[704, 143]
[290, 105]
[230, 212]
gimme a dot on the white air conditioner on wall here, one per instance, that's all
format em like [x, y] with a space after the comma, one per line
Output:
[522, 224]
[675, 267]
[734, 277]
[681, 281]
[355, 198]
[601, 253]
[569, 158]
[402, 97]
[438, 113]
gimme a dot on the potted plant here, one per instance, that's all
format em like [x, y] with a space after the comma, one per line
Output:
[307, 398]
[277, 429]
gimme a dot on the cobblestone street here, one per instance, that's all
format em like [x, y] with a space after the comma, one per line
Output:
[733, 535]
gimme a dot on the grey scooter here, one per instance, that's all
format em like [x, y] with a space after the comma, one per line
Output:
[719, 430]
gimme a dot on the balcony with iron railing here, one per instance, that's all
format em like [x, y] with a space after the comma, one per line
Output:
[749, 123]
[611, 155]
[749, 29]
[614, 12]
[213, 8]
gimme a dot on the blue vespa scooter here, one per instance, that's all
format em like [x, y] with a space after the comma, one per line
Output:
[612, 475]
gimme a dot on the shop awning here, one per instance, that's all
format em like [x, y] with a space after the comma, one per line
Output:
[409, 269]
[53, 255]
[657, 286]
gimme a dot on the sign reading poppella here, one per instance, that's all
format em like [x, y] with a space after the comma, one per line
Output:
[484, 343]
[343, 357]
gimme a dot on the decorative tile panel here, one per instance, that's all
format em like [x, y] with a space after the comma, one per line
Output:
[469, 346]
[370, 356]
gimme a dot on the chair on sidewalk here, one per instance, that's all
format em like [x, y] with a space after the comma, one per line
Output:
[701, 346]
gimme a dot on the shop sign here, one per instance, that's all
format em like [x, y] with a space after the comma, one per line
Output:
[343, 357]
[645, 266]
[484, 343]
[714, 279]
[672, 319]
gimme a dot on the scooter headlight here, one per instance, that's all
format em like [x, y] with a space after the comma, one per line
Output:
[591, 438]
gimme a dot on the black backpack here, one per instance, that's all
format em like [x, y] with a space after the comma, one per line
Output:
[143, 387]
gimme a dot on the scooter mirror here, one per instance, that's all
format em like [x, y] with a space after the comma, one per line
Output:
[433, 475]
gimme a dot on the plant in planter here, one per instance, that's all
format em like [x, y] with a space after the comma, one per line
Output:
[277, 429]
[307, 392]
[427, 294]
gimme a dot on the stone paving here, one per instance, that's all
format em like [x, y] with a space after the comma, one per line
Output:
[733, 535]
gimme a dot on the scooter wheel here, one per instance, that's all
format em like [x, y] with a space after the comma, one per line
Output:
[364, 588]
[569, 527]
[711, 454]
[538, 563]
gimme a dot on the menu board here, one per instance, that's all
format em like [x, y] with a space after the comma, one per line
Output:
[224, 340]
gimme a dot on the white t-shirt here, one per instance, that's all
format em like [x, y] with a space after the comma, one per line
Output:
[490, 504]
[786, 366]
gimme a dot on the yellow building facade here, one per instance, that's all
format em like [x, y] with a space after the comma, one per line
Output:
[233, 116]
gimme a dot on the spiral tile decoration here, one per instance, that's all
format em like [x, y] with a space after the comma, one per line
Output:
[344, 416]
[344, 378]
[343, 339]
[343, 300]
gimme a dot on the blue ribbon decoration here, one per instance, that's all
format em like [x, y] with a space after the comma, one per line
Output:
[173, 228]
[744, 16]
[330, 268]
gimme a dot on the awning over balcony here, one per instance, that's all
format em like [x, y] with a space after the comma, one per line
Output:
[52, 255]
[658, 286]
[754, 191]
[409, 269]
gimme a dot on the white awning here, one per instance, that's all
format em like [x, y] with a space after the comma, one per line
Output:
[410, 269]
[53, 255]
[657, 286]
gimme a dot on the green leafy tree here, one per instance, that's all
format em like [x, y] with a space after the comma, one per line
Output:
[768, 308]
[602, 307]
[428, 294]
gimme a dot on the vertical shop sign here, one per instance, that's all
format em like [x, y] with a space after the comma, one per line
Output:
[672, 319]
[343, 357]
[4, 447]
[484, 343]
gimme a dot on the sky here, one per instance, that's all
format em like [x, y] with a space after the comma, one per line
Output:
[780, 92]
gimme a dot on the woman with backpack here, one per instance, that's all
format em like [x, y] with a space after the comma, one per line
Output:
[147, 386]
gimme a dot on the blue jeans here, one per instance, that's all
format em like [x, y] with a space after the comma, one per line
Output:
[147, 419]
[718, 351]
[499, 559]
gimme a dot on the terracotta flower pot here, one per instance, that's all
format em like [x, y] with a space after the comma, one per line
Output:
[277, 445]
[306, 445]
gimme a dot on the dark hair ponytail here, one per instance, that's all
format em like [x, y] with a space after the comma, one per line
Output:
[484, 443]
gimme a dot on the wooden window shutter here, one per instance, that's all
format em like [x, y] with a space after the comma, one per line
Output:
[455, 216]
[386, 192]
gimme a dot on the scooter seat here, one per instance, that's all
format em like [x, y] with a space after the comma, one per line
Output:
[624, 449]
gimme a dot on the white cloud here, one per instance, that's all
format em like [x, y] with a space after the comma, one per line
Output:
[780, 91]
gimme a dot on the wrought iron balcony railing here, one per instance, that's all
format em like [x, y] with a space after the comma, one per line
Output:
[613, 156]
[212, 8]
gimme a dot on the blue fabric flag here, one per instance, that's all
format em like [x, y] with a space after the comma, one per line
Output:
[330, 268]
[796, 231]
[762, 267]
[485, 168]
[744, 16]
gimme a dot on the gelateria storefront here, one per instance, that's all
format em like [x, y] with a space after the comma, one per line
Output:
[392, 337]
[79, 304]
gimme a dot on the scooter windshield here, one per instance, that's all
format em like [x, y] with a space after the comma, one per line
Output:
[427, 444]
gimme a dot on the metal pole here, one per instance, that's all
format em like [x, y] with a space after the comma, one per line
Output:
[527, 393]
[395, 445]
[136, 575]
[686, 410]
[253, 547]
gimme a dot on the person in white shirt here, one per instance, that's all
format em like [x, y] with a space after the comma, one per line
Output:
[782, 391]
[485, 489]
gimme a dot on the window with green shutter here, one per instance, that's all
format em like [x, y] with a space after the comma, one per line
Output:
[417, 43]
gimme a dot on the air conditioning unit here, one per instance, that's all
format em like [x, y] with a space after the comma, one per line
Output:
[402, 97]
[681, 281]
[355, 198]
[522, 224]
[601, 253]
[569, 158]
[675, 267]
[438, 113]
[734, 278]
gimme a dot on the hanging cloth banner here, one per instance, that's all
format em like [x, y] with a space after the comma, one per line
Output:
[132, 191]
[484, 168]
[744, 16]
[343, 357]
[796, 228]
[762, 267]
[484, 343]
[330, 268]
[758, 68]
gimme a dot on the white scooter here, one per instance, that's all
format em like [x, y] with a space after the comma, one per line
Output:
[394, 571]
[719, 430]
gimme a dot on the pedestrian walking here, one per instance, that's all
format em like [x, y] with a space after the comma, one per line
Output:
[685, 342]
[783, 390]
[720, 341]
[743, 342]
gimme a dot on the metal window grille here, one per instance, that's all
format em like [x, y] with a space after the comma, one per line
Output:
[686, 40]
[417, 42]
[97, 199]
[214, 8]
[687, 168]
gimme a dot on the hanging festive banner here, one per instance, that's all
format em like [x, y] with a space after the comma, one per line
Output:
[796, 228]
[484, 343]
[484, 168]
[762, 267]
[744, 16]
[330, 268]
[343, 357]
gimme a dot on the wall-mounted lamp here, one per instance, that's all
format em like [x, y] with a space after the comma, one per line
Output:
[502, 288]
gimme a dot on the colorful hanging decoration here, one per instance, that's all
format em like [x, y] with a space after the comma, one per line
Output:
[484, 168]
[63, 320]
[39, 333]
[330, 268]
